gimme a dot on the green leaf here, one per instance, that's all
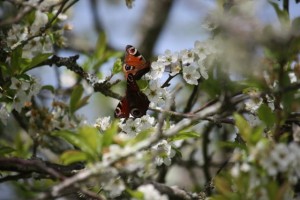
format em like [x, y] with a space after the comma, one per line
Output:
[101, 45]
[49, 87]
[243, 126]
[75, 97]
[117, 66]
[87, 139]
[16, 61]
[223, 186]
[282, 15]
[232, 145]
[72, 156]
[177, 150]
[184, 135]
[109, 134]
[266, 115]
[36, 60]
[135, 194]
[92, 138]
[6, 150]
[76, 101]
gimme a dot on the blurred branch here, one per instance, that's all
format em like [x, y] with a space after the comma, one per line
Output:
[152, 23]
[192, 98]
[286, 5]
[97, 168]
[18, 17]
[174, 193]
[71, 64]
[167, 82]
[41, 167]
[61, 9]
[95, 14]
[206, 158]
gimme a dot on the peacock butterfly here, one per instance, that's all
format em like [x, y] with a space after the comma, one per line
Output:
[135, 101]
[135, 63]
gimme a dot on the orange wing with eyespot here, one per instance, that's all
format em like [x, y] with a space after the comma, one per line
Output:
[135, 63]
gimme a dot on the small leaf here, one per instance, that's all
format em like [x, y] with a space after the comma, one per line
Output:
[135, 194]
[266, 115]
[243, 126]
[109, 134]
[232, 145]
[223, 186]
[117, 66]
[16, 61]
[36, 60]
[101, 45]
[184, 135]
[72, 156]
[282, 15]
[92, 138]
[75, 98]
[76, 140]
[49, 87]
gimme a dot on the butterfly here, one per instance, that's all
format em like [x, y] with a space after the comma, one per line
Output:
[135, 101]
[135, 63]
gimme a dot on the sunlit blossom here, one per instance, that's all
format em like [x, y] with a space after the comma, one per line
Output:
[4, 114]
[187, 57]
[157, 70]
[155, 93]
[131, 127]
[150, 193]
[163, 153]
[191, 75]
[102, 123]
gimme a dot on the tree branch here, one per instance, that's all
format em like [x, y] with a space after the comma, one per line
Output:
[153, 21]
[71, 64]
[45, 168]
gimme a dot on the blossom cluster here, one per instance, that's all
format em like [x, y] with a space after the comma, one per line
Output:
[191, 63]
[58, 118]
[134, 126]
[149, 192]
[19, 95]
[30, 34]
[266, 158]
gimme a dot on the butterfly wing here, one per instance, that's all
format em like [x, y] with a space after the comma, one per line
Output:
[138, 101]
[135, 63]
[122, 110]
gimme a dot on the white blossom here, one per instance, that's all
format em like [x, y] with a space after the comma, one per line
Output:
[157, 70]
[163, 152]
[296, 133]
[187, 57]
[191, 75]
[16, 84]
[4, 114]
[19, 100]
[131, 127]
[40, 20]
[166, 58]
[150, 193]
[16, 34]
[102, 123]
[155, 93]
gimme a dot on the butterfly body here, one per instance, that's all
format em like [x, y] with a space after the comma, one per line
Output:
[135, 101]
[135, 63]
